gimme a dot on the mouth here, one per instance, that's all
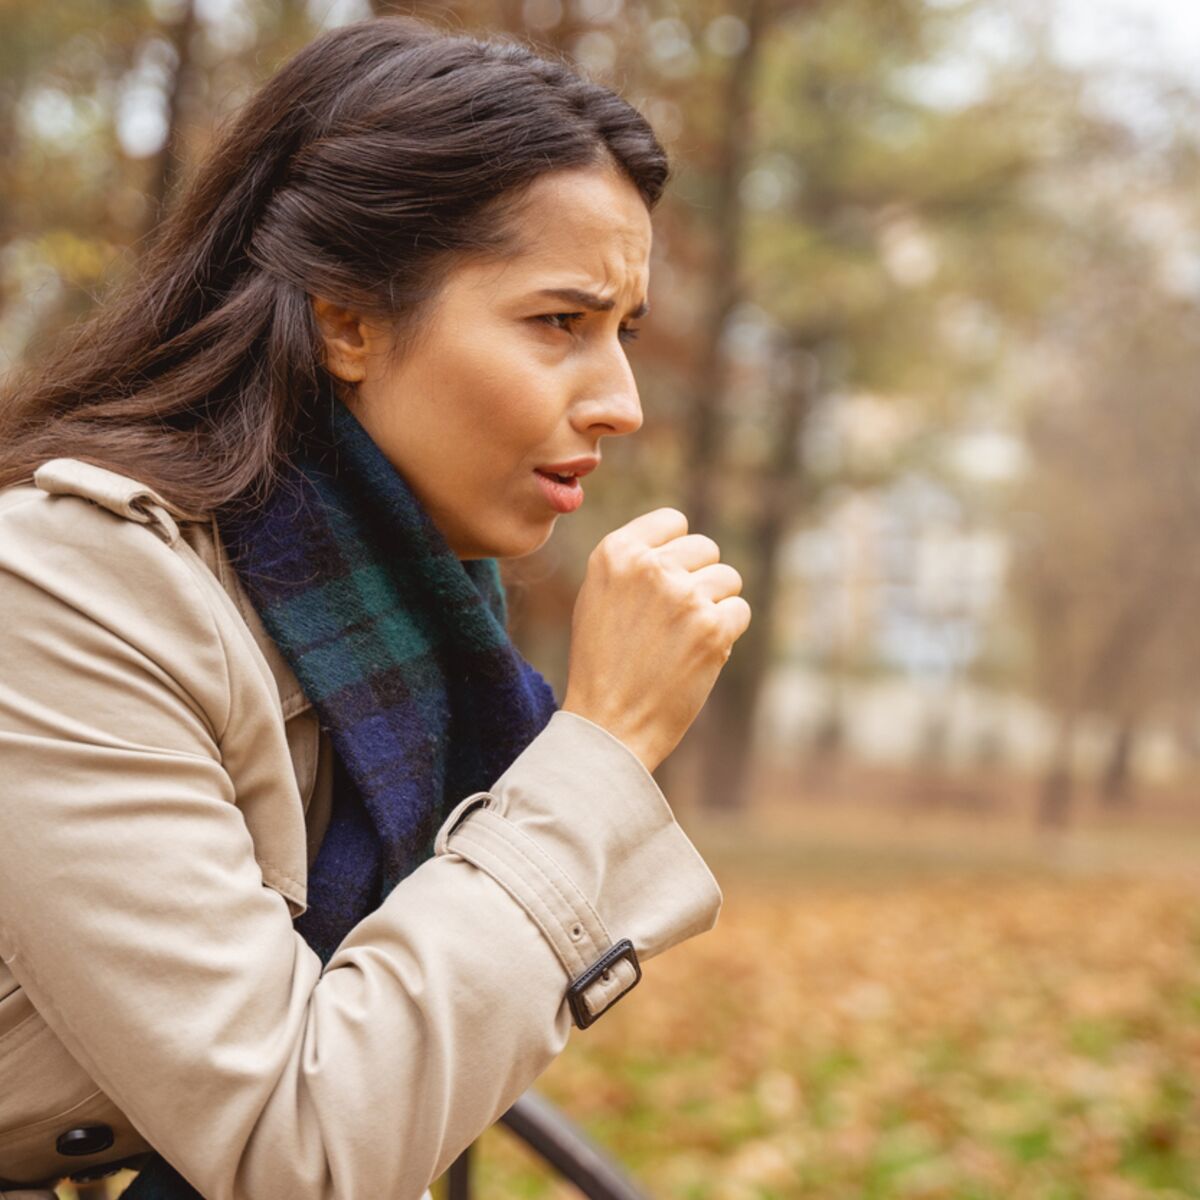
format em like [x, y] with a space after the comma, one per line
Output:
[564, 493]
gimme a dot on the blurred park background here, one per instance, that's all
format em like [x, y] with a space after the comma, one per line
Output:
[923, 358]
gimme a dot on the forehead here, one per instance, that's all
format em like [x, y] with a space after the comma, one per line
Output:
[587, 228]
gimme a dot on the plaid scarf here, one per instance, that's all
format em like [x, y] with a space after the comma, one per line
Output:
[403, 650]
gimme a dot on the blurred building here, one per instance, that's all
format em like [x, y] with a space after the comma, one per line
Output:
[893, 603]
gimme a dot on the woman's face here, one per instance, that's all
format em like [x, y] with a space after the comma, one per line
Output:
[521, 366]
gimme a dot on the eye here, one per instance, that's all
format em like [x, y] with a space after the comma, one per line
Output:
[562, 321]
[566, 321]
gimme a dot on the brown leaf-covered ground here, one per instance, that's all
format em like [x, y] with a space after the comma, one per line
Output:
[898, 1005]
[967, 1015]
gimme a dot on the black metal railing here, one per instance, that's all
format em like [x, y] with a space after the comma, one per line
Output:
[562, 1145]
[557, 1140]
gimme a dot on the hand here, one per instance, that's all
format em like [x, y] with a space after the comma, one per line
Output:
[654, 623]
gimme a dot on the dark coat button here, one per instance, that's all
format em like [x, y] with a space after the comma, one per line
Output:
[89, 1139]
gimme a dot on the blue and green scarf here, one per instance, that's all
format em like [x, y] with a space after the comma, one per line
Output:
[402, 648]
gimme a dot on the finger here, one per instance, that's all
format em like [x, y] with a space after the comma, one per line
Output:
[716, 581]
[735, 616]
[691, 552]
[657, 527]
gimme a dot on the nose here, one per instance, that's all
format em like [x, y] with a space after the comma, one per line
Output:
[612, 405]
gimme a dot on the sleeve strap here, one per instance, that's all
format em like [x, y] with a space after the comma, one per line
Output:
[599, 970]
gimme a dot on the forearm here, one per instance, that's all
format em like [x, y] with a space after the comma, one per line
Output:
[438, 1010]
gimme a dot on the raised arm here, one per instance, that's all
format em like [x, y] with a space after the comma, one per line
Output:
[135, 916]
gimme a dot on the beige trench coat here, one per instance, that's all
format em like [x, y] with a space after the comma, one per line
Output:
[165, 787]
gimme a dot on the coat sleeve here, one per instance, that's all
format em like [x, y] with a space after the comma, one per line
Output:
[134, 914]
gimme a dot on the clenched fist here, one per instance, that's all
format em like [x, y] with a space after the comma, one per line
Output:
[654, 623]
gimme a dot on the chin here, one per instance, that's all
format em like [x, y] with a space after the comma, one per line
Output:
[513, 545]
[523, 549]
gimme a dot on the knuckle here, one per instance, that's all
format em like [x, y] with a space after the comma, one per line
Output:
[642, 562]
[612, 548]
[734, 577]
[632, 561]
[677, 588]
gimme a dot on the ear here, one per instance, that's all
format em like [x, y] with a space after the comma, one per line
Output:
[344, 336]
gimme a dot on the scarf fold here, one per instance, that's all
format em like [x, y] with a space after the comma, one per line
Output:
[402, 648]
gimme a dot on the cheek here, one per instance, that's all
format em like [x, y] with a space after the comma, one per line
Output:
[517, 410]
[493, 403]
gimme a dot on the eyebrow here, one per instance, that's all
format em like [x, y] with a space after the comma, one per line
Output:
[591, 301]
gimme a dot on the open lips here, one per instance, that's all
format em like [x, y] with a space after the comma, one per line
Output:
[560, 483]
[566, 471]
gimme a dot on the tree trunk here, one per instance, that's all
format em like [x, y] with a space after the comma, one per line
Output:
[728, 719]
[292, 24]
[706, 384]
[1058, 785]
[510, 15]
[1116, 785]
[166, 166]
[8, 171]
[708, 381]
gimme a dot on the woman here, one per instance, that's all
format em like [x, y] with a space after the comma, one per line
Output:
[304, 878]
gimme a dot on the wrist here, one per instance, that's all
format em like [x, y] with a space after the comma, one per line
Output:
[636, 742]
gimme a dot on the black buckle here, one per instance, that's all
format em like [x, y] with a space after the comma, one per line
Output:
[579, 1010]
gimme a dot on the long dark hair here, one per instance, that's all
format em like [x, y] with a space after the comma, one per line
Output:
[368, 165]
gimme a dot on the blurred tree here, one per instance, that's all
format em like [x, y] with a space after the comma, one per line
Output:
[179, 36]
[837, 224]
[1112, 504]
[732, 143]
[860, 206]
